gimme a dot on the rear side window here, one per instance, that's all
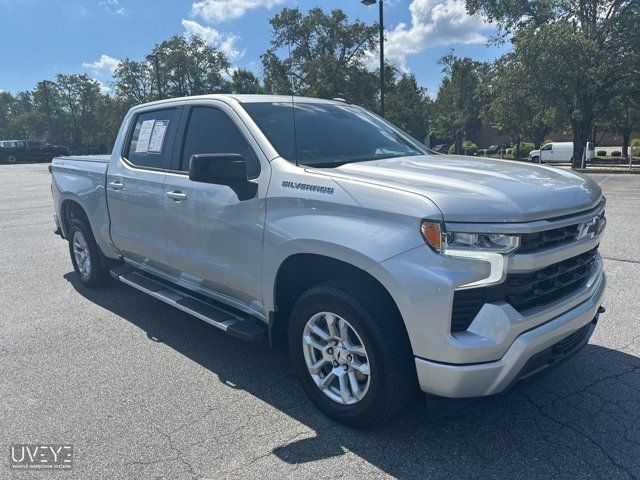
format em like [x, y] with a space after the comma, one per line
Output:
[151, 139]
[210, 130]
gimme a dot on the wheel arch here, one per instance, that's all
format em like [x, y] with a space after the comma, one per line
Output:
[301, 271]
[71, 209]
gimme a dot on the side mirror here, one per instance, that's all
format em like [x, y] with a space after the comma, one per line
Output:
[227, 169]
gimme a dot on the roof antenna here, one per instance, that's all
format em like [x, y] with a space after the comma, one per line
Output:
[293, 115]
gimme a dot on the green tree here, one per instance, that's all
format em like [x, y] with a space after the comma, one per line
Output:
[579, 49]
[6, 105]
[187, 67]
[459, 102]
[408, 106]
[22, 124]
[623, 116]
[134, 82]
[244, 81]
[326, 56]
[515, 103]
[571, 73]
[79, 100]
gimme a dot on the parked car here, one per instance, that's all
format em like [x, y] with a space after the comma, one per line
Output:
[12, 151]
[496, 148]
[384, 266]
[441, 148]
[558, 152]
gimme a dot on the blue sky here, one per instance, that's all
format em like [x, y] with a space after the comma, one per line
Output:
[40, 38]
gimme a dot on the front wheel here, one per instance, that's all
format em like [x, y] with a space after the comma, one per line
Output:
[536, 160]
[12, 159]
[351, 353]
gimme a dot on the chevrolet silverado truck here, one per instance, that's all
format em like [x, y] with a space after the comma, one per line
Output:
[383, 267]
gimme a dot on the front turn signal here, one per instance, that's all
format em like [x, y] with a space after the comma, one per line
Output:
[432, 233]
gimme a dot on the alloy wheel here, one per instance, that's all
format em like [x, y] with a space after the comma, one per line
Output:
[336, 358]
[81, 254]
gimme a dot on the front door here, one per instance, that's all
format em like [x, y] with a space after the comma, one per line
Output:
[214, 239]
[546, 153]
[135, 188]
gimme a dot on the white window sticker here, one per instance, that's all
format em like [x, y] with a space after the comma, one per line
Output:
[157, 136]
[145, 135]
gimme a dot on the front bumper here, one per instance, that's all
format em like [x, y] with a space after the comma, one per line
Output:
[531, 352]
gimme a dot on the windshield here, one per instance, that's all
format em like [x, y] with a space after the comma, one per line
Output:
[329, 134]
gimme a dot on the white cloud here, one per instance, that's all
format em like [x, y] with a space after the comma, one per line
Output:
[102, 71]
[224, 42]
[103, 66]
[434, 23]
[112, 6]
[105, 88]
[221, 10]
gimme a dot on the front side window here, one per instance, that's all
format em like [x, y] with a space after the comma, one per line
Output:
[150, 141]
[210, 130]
[546, 147]
[326, 134]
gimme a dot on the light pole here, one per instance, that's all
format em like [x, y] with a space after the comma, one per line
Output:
[157, 65]
[381, 25]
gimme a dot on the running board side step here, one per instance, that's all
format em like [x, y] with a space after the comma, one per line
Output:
[235, 325]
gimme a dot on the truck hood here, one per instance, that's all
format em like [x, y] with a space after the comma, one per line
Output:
[472, 189]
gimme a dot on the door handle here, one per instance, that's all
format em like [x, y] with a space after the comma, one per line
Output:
[177, 195]
[116, 184]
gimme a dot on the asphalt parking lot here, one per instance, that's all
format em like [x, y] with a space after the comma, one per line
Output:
[142, 390]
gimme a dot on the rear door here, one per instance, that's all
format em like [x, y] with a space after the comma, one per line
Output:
[214, 239]
[135, 187]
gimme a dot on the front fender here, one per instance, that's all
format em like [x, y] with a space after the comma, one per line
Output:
[355, 222]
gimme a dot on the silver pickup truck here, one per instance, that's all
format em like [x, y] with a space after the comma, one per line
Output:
[316, 224]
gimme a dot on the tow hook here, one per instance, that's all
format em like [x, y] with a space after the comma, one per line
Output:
[600, 311]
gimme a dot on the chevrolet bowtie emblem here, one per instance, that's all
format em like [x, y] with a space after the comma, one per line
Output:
[592, 227]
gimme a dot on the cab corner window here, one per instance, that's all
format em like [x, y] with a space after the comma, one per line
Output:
[210, 130]
[150, 141]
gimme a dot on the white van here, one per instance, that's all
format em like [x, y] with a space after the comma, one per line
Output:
[558, 152]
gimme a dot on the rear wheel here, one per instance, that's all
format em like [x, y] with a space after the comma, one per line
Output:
[351, 353]
[86, 255]
[12, 159]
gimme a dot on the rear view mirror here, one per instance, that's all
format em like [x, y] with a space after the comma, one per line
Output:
[227, 169]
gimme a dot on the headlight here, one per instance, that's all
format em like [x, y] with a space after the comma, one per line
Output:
[490, 247]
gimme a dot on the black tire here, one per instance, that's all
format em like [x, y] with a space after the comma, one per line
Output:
[12, 159]
[393, 380]
[536, 160]
[97, 274]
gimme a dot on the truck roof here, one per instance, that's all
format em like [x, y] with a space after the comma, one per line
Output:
[243, 98]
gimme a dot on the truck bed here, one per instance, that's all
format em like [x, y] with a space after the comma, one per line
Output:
[82, 179]
[86, 158]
